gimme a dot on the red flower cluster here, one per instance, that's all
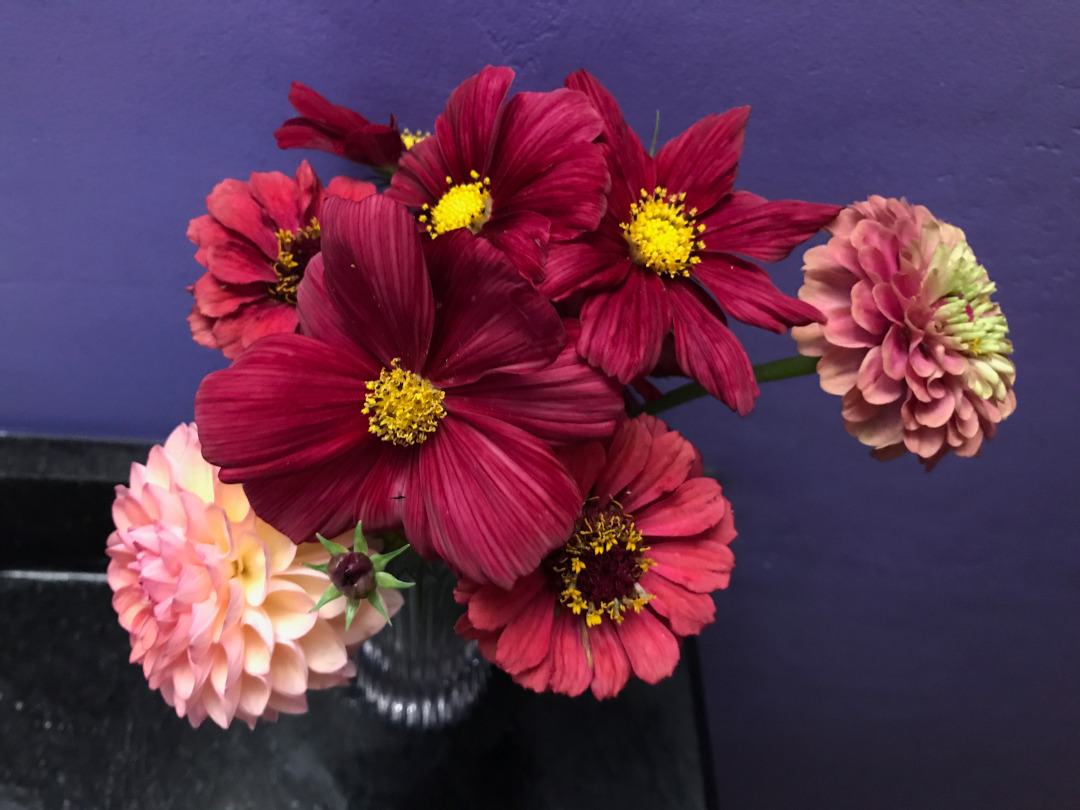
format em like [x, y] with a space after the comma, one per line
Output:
[456, 360]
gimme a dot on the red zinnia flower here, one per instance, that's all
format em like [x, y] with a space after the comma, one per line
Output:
[649, 546]
[515, 173]
[663, 252]
[340, 131]
[256, 243]
[420, 392]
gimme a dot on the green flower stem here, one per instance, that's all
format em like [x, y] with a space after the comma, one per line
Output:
[783, 369]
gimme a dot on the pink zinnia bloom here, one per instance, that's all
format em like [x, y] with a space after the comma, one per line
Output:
[633, 577]
[664, 252]
[912, 341]
[256, 243]
[515, 173]
[421, 390]
[341, 131]
[217, 603]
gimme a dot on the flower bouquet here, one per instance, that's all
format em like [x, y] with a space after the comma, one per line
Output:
[457, 368]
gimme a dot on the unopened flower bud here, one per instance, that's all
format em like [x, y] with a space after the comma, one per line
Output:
[352, 573]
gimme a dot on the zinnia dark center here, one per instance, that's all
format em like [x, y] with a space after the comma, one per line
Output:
[295, 251]
[598, 570]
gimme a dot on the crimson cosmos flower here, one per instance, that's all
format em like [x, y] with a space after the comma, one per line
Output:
[256, 243]
[516, 174]
[340, 131]
[664, 250]
[420, 392]
[649, 546]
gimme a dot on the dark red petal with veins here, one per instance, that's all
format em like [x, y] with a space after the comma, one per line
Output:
[567, 401]
[745, 292]
[495, 500]
[544, 161]
[623, 329]
[489, 318]
[703, 160]
[287, 403]
[767, 231]
[522, 238]
[376, 277]
[467, 127]
[707, 350]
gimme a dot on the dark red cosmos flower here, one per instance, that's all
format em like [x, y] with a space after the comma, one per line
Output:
[422, 391]
[256, 243]
[634, 577]
[515, 173]
[340, 131]
[664, 249]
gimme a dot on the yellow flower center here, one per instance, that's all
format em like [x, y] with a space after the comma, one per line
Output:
[295, 250]
[402, 407]
[599, 568]
[662, 234]
[411, 139]
[465, 205]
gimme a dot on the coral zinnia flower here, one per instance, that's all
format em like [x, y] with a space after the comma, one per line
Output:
[218, 603]
[634, 576]
[341, 131]
[515, 174]
[420, 392]
[256, 243]
[665, 245]
[913, 342]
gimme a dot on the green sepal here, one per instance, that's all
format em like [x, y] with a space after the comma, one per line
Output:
[655, 134]
[385, 580]
[351, 606]
[320, 568]
[377, 603]
[331, 546]
[329, 595]
[359, 544]
[380, 560]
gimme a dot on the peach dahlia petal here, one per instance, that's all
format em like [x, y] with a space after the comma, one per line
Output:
[216, 601]
[912, 340]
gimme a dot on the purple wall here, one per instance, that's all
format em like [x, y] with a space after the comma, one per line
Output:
[890, 639]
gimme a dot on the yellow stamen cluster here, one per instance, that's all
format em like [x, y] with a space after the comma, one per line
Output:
[662, 234]
[402, 407]
[287, 269]
[411, 139]
[604, 558]
[465, 205]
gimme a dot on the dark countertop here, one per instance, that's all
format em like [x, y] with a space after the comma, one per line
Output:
[79, 728]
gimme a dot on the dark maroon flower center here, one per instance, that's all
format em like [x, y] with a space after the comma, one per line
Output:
[597, 571]
[295, 251]
[352, 573]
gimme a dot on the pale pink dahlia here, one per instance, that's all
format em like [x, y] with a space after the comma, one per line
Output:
[218, 602]
[912, 340]
[631, 579]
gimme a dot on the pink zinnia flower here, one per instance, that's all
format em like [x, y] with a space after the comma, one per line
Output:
[515, 173]
[912, 341]
[256, 243]
[420, 391]
[341, 131]
[664, 251]
[633, 577]
[217, 602]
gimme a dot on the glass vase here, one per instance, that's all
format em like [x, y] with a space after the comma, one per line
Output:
[417, 672]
